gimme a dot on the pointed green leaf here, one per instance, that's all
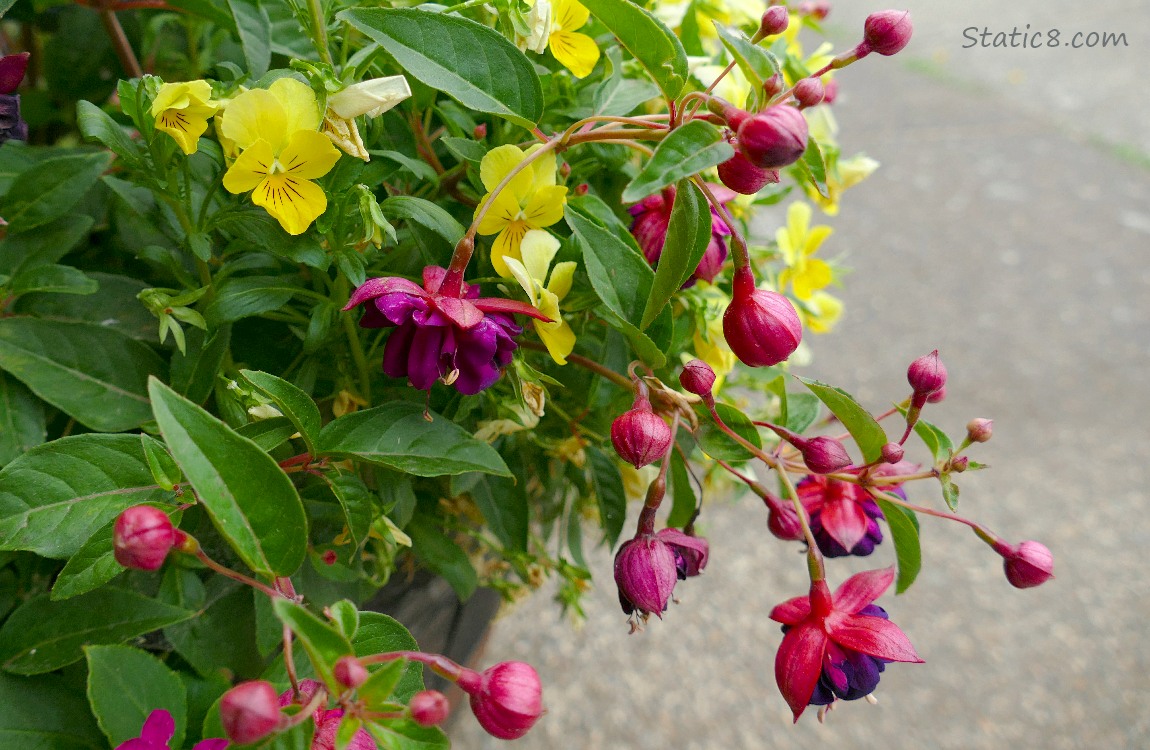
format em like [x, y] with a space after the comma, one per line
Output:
[357, 502]
[685, 152]
[379, 687]
[503, 504]
[813, 167]
[867, 433]
[322, 641]
[252, 503]
[756, 63]
[425, 213]
[648, 40]
[96, 124]
[471, 63]
[718, 444]
[55, 278]
[292, 402]
[688, 234]
[949, 490]
[22, 425]
[255, 32]
[268, 434]
[904, 530]
[125, 685]
[45, 713]
[48, 244]
[607, 481]
[442, 555]
[405, 734]
[51, 188]
[682, 493]
[378, 634]
[163, 467]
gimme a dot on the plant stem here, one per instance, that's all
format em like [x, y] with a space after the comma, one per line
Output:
[620, 380]
[124, 52]
[742, 255]
[234, 575]
[319, 30]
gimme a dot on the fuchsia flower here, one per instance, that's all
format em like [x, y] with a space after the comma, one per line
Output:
[843, 517]
[12, 125]
[647, 567]
[326, 721]
[653, 216]
[835, 647]
[507, 698]
[157, 732]
[463, 339]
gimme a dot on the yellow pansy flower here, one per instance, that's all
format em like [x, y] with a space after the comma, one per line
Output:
[538, 250]
[531, 200]
[182, 111]
[821, 312]
[574, 51]
[798, 241]
[281, 152]
[840, 176]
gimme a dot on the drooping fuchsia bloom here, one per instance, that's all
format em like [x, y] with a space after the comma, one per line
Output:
[326, 721]
[647, 567]
[653, 216]
[836, 646]
[157, 732]
[464, 340]
[843, 517]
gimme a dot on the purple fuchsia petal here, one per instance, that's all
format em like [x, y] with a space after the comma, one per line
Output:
[159, 727]
[138, 744]
[212, 743]
[650, 230]
[798, 664]
[690, 551]
[874, 636]
[861, 589]
[12, 69]
[398, 350]
[712, 261]
[645, 574]
[424, 356]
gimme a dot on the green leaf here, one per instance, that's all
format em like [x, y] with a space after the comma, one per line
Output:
[43, 635]
[465, 149]
[345, 616]
[418, 168]
[222, 635]
[95, 124]
[503, 504]
[688, 150]
[255, 32]
[164, 469]
[89, 372]
[949, 490]
[252, 503]
[57, 495]
[756, 63]
[50, 189]
[471, 63]
[407, 735]
[683, 500]
[718, 444]
[258, 228]
[44, 713]
[114, 306]
[426, 214]
[935, 439]
[125, 685]
[379, 687]
[867, 433]
[91, 567]
[803, 411]
[621, 278]
[252, 295]
[357, 503]
[442, 555]
[292, 402]
[648, 40]
[323, 642]
[379, 634]
[22, 425]
[396, 435]
[268, 434]
[688, 234]
[54, 278]
[48, 244]
[904, 530]
[607, 481]
[194, 372]
[813, 167]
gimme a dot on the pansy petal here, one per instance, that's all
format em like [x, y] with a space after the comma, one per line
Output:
[503, 211]
[250, 168]
[308, 155]
[299, 104]
[185, 126]
[520, 274]
[576, 52]
[545, 207]
[798, 219]
[559, 340]
[562, 276]
[792, 611]
[538, 250]
[159, 727]
[295, 204]
[498, 163]
[253, 115]
[570, 14]
[816, 237]
[874, 636]
[507, 246]
[816, 275]
[798, 665]
[543, 168]
[509, 306]
[861, 589]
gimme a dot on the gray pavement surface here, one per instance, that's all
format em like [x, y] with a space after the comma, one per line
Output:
[999, 231]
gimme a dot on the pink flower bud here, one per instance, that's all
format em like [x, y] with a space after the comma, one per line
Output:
[1027, 564]
[640, 436]
[887, 31]
[645, 572]
[142, 537]
[773, 86]
[429, 708]
[350, 672]
[733, 115]
[761, 327]
[830, 91]
[250, 711]
[698, 378]
[818, 10]
[809, 92]
[774, 138]
[926, 374]
[775, 21]
[979, 430]
[740, 175]
[825, 455]
[480, 131]
[507, 699]
[937, 396]
[892, 453]
[784, 522]
[958, 464]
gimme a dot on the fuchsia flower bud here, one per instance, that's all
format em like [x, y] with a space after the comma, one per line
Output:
[761, 327]
[740, 175]
[647, 567]
[937, 396]
[818, 10]
[773, 86]
[142, 537]
[775, 137]
[892, 453]
[809, 92]
[979, 430]
[640, 436]
[507, 699]
[250, 711]
[824, 455]
[480, 131]
[1027, 564]
[887, 31]
[698, 378]
[775, 21]
[12, 124]
[830, 91]
[959, 464]
[350, 672]
[926, 374]
[429, 708]
[783, 521]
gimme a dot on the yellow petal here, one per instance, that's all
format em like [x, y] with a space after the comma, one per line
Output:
[538, 250]
[816, 238]
[798, 220]
[298, 103]
[507, 246]
[250, 168]
[294, 203]
[576, 52]
[786, 247]
[185, 125]
[826, 310]
[503, 211]
[559, 339]
[524, 278]
[570, 14]
[561, 277]
[545, 207]
[496, 165]
[255, 115]
[543, 168]
[815, 276]
[308, 155]
[170, 96]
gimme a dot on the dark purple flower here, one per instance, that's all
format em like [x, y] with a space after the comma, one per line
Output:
[647, 567]
[12, 126]
[848, 674]
[653, 216]
[844, 518]
[464, 340]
